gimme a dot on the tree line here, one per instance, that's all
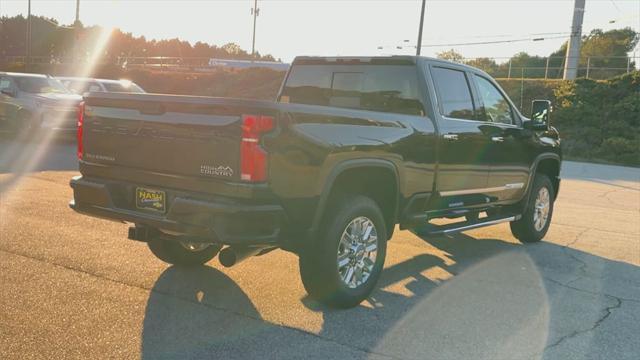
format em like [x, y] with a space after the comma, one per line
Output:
[605, 52]
[56, 42]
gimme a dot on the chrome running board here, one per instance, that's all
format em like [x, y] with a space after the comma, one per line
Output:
[431, 229]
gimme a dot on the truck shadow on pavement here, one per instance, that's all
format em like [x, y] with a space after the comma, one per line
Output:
[487, 298]
[478, 298]
[176, 327]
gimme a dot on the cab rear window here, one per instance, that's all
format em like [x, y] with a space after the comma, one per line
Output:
[384, 88]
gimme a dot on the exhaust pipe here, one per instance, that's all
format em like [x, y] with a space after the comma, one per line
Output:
[139, 233]
[232, 255]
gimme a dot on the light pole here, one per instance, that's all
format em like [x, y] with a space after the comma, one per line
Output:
[255, 12]
[76, 34]
[27, 42]
[420, 30]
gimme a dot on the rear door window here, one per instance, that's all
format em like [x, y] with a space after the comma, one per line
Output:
[94, 87]
[383, 88]
[454, 94]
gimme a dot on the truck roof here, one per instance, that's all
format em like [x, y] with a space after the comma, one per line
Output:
[393, 59]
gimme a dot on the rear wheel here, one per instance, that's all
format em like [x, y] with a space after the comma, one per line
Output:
[342, 266]
[536, 218]
[182, 253]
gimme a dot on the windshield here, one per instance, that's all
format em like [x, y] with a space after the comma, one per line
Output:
[39, 85]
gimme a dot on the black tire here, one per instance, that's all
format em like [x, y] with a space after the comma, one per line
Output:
[525, 229]
[318, 261]
[173, 252]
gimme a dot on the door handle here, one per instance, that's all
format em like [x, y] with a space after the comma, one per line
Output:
[497, 139]
[450, 137]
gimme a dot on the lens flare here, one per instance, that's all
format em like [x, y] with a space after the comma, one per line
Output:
[26, 152]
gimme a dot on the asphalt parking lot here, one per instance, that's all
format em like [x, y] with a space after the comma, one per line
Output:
[75, 287]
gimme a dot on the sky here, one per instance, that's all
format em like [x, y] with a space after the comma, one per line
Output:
[287, 28]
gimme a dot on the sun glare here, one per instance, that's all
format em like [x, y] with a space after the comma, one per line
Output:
[26, 153]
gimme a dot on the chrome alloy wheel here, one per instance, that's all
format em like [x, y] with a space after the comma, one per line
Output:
[541, 210]
[194, 246]
[357, 252]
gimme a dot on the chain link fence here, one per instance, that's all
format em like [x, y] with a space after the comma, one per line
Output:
[590, 67]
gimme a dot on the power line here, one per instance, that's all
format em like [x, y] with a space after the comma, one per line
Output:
[507, 35]
[496, 41]
[615, 5]
[565, 33]
[486, 42]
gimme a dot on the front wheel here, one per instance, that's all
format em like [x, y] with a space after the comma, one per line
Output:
[342, 265]
[536, 218]
[182, 253]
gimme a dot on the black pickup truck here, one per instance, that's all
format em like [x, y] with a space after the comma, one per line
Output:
[350, 148]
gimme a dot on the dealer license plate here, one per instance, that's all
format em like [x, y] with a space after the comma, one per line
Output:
[149, 199]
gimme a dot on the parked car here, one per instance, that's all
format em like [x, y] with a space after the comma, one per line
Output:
[351, 147]
[31, 102]
[82, 85]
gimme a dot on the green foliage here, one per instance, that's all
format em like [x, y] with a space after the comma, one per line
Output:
[485, 64]
[607, 50]
[523, 92]
[605, 53]
[450, 55]
[598, 120]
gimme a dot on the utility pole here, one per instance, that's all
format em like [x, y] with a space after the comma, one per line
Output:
[419, 46]
[573, 50]
[27, 43]
[255, 11]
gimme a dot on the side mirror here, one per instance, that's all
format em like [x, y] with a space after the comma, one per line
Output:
[540, 116]
[8, 92]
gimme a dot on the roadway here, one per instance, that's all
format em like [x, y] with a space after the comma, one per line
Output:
[75, 287]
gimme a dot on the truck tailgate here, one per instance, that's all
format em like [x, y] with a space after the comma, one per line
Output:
[167, 134]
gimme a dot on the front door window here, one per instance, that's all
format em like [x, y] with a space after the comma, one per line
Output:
[496, 106]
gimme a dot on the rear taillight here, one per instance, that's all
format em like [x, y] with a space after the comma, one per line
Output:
[253, 159]
[80, 128]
